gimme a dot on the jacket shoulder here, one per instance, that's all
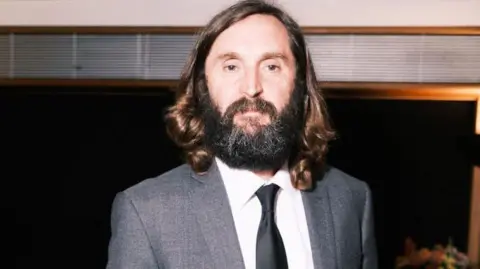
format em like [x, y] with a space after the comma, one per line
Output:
[172, 182]
[340, 183]
[340, 179]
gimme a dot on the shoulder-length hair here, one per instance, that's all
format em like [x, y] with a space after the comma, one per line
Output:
[184, 122]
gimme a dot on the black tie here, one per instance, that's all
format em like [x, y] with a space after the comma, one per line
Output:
[270, 250]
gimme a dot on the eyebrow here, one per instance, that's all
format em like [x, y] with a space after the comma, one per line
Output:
[265, 56]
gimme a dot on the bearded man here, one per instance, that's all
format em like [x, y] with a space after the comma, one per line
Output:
[255, 191]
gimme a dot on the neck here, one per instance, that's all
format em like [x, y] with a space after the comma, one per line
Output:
[265, 174]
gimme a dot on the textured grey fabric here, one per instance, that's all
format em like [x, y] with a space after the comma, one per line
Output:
[183, 220]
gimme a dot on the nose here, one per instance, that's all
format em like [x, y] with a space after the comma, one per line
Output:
[252, 85]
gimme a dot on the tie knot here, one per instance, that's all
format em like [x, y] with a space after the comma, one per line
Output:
[266, 195]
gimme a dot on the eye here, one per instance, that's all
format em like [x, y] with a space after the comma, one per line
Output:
[273, 67]
[230, 68]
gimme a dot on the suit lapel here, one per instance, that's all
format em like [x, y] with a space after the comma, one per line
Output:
[216, 221]
[320, 226]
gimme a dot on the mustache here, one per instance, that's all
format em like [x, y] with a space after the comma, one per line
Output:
[244, 104]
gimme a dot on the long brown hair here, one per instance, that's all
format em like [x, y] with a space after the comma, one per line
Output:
[185, 125]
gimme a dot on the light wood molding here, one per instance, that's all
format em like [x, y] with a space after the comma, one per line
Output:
[394, 30]
[403, 91]
[311, 30]
[477, 117]
[474, 227]
[141, 85]
[164, 30]
[351, 90]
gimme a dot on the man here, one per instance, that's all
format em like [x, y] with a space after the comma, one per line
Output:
[255, 192]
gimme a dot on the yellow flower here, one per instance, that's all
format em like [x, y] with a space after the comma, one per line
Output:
[450, 262]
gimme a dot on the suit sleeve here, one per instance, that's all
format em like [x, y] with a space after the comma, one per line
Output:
[129, 246]
[370, 259]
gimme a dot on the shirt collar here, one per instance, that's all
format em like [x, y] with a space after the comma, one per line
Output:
[241, 185]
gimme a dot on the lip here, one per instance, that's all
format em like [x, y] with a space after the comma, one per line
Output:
[250, 113]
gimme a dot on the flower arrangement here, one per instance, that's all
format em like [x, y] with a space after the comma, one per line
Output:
[439, 257]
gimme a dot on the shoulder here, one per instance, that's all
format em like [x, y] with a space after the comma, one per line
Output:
[154, 199]
[335, 177]
[341, 184]
[172, 183]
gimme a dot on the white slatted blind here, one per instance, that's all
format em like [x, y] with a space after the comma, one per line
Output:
[109, 56]
[166, 55]
[400, 58]
[42, 56]
[453, 59]
[337, 58]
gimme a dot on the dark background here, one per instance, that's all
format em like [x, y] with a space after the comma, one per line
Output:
[65, 156]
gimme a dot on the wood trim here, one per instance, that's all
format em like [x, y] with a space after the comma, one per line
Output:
[403, 91]
[188, 30]
[394, 30]
[474, 228]
[350, 90]
[113, 83]
[100, 30]
[477, 119]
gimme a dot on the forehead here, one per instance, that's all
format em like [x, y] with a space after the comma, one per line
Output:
[253, 36]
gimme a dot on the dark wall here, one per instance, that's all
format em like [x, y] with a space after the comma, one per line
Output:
[414, 156]
[65, 157]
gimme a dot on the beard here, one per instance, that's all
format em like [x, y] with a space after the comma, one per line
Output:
[253, 145]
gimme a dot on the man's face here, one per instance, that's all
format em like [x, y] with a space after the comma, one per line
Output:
[252, 109]
[251, 59]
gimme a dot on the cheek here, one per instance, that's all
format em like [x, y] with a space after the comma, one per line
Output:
[278, 91]
[223, 93]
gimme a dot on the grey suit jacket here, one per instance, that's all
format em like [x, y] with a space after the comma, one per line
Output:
[183, 220]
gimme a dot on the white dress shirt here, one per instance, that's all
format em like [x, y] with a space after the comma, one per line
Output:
[241, 186]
